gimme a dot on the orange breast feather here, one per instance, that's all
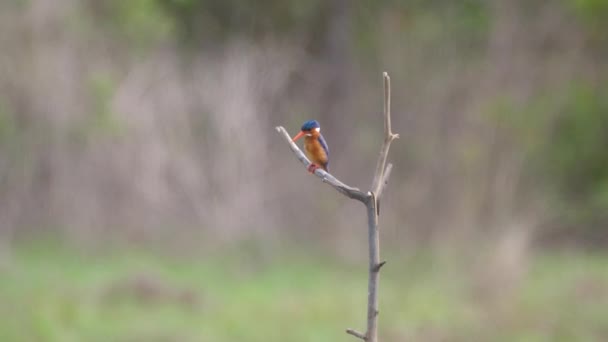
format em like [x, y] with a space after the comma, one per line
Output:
[315, 152]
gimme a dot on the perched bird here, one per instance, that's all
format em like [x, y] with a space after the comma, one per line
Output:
[314, 145]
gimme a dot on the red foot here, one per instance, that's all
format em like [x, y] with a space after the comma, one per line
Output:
[312, 168]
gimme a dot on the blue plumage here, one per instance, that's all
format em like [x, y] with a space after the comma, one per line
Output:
[310, 125]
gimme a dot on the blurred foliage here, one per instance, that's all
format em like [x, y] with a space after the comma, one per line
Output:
[575, 157]
[101, 121]
[8, 127]
[564, 135]
[561, 131]
[140, 22]
[13, 141]
[593, 15]
[594, 12]
[308, 22]
[201, 21]
[102, 92]
[58, 294]
[465, 23]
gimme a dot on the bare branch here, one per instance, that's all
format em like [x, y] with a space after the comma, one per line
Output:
[374, 274]
[325, 176]
[380, 179]
[389, 136]
[371, 201]
[356, 334]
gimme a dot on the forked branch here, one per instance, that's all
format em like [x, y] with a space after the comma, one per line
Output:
[371, 201]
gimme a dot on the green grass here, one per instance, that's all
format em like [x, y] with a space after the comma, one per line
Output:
[54, 294]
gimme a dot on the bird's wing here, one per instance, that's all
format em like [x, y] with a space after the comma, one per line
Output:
[326, 149]
[324, 145]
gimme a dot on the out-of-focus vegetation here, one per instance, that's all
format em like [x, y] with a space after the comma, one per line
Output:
[574, 161]
[133, 111]
[149, 123]
[54, 294]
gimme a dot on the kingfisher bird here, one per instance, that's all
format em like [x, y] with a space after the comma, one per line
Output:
[314, 145]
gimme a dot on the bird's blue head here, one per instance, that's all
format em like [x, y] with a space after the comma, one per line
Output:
[310, 125]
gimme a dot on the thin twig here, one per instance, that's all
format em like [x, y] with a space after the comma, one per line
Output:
[356, 334]
[389, 136]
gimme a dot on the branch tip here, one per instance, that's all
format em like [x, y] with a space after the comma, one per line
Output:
[379, 266]
[356, 334]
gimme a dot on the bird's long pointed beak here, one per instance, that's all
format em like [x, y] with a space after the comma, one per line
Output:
[298, 136]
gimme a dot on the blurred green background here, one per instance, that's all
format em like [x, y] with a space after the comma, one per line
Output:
[145, 195]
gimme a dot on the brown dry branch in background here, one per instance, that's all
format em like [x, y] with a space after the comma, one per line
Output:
[370, 200]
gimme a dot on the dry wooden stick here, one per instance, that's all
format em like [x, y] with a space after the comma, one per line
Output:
[389, 136]
[371, 200]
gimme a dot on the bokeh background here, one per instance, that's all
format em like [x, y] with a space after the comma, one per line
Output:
[145, 196]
